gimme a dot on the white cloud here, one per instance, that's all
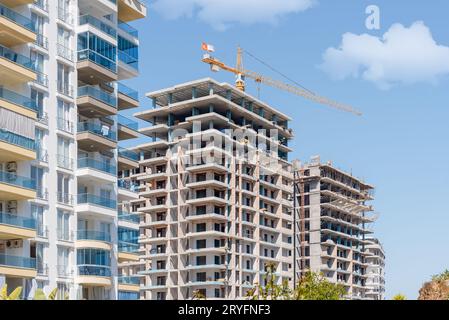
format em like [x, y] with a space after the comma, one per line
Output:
[222, 14]
[402, 56]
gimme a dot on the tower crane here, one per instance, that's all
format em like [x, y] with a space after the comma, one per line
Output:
[241, 73]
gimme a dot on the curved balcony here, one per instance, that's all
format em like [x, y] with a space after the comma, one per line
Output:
[16, 227]
[93, 239]
[15, 187]
[90, 168]
[16, 28]
[96, 137]
[93, 101]
[94, 275]
[16, 68]
[17, 266]
[14, 147]
[127, 159]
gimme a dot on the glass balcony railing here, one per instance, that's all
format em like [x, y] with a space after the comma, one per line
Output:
[93, 235]
[65, 125]
[17, 99]
[42, 4]
[42, 193]
[125, 153]
[98, 59]
[126, 184]
[98, 94]
[92, 270]
[129, 280]
[17, 18]
[42, 41]
[128, 29]
[17, 58]
[128, 60]
[128, 247]
[97, 164]
[133, 94]
[64, 52]
[17, 140]
[65, 198]
[98, 129]
[84, 198]
[98, 24]
[125, 216]
[65, 15]
[17, 261]
[124, 121]
[64, 162]
[17, 221]
[16, 180]
[42, 79]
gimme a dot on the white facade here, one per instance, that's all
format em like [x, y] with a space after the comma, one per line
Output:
[375, 257]
[212, 218]
[83, 48]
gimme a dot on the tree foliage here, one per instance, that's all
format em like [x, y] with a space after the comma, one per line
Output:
[311, 286]
[399, 296]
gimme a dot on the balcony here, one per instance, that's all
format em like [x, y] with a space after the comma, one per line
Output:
[127, 97]
[18, 103]
[127, 159]
[133, 218]
[86, 198]
[65, 16]
[16, 266]
[93, 239]
[129, 283]
[128, 65]
[65, 125]
[127, 29]
[16, 227]
[65, 198]
[15, 68]
[14, 147]
[95, 102]
[64, 52]
[128, 251]
[95, 137]
[65, 162]
[90, 168]
[94, 275]
[41, 4]
[16, 3]
[15, 187]
[127, 128]
[94, 68]
[65, 89]
[16, 29]
[129, 10]
[99, 25]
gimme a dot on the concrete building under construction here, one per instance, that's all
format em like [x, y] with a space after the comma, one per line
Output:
[215, 187]
[333, 223]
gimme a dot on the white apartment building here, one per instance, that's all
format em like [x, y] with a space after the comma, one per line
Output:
[61, 63]
[215, 188]
[334, 219]
[375, 257]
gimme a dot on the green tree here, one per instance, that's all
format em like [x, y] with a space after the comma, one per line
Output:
[399, 297]
[311, 286]
[197, 295]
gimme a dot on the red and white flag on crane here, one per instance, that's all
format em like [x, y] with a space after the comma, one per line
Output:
[207, 47]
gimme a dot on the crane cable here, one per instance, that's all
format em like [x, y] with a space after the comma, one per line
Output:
[277, 71]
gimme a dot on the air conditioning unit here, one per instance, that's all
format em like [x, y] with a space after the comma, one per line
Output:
[17, 243]
[9, 244]
[11, 206]
[11, 166]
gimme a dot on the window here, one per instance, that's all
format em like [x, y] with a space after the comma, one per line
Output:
[63, 225]
[201, 260]
[200, 210]
[201, 276]
[38, 98]
[37, 174]
[38, 213]
[200, 227]
[201, 244]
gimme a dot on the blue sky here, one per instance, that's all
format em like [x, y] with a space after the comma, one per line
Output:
[399, 144]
